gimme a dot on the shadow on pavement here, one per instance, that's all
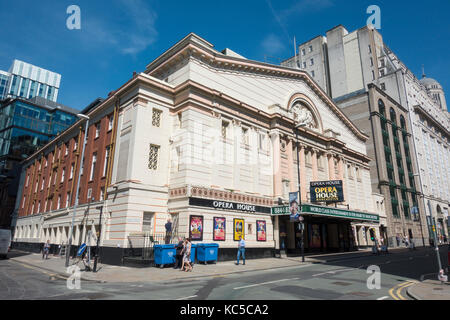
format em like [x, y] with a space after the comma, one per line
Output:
[401, 262]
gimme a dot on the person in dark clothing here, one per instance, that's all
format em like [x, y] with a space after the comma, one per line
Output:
[46, 250]
[168, 231]
[179, 254]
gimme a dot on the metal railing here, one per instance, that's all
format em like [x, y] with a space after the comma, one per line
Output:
[141, 245]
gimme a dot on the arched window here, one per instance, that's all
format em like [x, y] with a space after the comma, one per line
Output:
[381, 107]
[402, 122]
[393, 116]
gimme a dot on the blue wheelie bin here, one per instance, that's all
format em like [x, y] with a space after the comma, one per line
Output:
[164, 254]
[193, 250]
[207, 252]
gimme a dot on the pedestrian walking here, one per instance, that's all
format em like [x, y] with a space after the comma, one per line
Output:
[179, 253]
[377, 246]
[187, 256]
[406, 241]
[46, 250]
[412, 245]
[183, 250]
[241, 251]
[168, 227]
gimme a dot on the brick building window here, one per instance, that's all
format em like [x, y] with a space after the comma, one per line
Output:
[110, 122]
[94, 162]
[156, 118]
[105, 166]
[97, 130]
[153, 157]
[68, 199]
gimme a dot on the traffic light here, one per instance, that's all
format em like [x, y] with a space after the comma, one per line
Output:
[372, 234]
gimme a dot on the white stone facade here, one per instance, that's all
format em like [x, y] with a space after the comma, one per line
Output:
[198, 123]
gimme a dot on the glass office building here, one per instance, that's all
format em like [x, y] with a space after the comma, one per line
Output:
[26, 125]
[27, 81]
[4, 78]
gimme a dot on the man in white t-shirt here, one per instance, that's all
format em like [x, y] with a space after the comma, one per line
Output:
[241, 251]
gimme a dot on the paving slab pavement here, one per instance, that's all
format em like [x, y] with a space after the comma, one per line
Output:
[108, 273]
[430, 290]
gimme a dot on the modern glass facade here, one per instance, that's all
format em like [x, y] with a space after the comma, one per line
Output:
[4, 77]
[24, 127]
[27, 81]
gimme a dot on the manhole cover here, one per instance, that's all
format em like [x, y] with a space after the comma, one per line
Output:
[360, 294]
[339, 283]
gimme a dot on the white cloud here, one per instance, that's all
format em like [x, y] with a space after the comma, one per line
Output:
[298, 8]
[130, 33]
[272, 45]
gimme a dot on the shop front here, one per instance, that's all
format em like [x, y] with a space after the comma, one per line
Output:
[326, 229]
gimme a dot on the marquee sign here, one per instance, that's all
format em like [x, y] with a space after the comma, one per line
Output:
[228, 206]
[326, 191]
[309, 209]
[340, 213]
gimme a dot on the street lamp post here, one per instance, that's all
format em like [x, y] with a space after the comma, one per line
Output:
[436, 246]
[433, 227]
[420, 219]
[78, 187]
[302, 246]
[98, 237]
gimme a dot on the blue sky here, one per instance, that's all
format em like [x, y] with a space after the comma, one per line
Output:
[118, 37]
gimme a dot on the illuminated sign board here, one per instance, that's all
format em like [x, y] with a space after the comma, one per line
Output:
[326, 191]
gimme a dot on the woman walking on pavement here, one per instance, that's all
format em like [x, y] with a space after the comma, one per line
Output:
[187, 255]
[183, 250]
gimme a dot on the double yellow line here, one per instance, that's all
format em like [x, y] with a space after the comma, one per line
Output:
[398, 289]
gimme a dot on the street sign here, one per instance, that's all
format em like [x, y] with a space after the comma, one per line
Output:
[280, 211]
[81, 250]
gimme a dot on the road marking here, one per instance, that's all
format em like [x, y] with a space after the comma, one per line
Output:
[185, 298]
[333, 271]
[397, 295]
[264, 283]
[285, 268]
[383, 298]
[33, 268]
[404, 287]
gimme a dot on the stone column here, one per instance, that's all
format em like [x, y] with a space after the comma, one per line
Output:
[315, 174]
[276, 232]
[277, 186]
[331, 174]
[290, 154]
[303, 173]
